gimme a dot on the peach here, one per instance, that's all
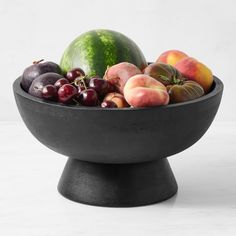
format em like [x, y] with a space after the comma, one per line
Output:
[171, 57]
[194, 70]
[117, 98]
[119, 74]
[145, 91]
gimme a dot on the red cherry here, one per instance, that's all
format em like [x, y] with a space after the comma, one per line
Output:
[111, 87]
[74, 73]
[88, 97]
[81, 88]
[99, 84]
[66, 93]
[49, 92]
[61, 82]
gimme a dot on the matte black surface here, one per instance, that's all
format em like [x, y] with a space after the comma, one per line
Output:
[127, 140]
[117, 185]
[118, 135]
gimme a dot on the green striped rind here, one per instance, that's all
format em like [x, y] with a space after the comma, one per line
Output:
[95, 50]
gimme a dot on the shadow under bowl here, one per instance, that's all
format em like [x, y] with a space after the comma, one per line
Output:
[117, 157]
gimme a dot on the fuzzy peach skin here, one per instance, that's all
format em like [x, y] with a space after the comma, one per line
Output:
[144, 91]
[171, 57]
[194, 70]
[117, 98]
[119, 74]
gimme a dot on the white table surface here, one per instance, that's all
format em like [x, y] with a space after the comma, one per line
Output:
[31, 206]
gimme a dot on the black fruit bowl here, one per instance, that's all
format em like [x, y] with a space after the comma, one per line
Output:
[118, 157]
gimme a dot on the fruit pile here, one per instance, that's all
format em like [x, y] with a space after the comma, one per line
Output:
[105, 68]
[72, 88]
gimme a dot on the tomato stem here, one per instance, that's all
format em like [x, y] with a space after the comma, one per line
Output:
[165, 78]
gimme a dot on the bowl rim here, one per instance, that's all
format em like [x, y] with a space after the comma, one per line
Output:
[217, 88]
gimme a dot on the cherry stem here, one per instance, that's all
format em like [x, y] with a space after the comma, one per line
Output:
[37, 62]
[80, 79]
[77, 103]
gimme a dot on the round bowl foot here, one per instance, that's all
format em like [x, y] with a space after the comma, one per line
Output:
[117, 185]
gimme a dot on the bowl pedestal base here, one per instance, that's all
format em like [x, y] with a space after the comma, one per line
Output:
[117, 185]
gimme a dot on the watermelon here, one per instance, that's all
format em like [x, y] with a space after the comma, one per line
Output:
[96, 50]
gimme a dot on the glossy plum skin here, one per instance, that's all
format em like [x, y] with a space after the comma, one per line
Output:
[41, 81]
[35, 70]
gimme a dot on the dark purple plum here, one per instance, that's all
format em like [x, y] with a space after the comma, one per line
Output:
[41, 81]
[37, 69]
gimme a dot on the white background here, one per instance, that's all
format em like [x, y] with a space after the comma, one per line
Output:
[204, 29]
[206, 202]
